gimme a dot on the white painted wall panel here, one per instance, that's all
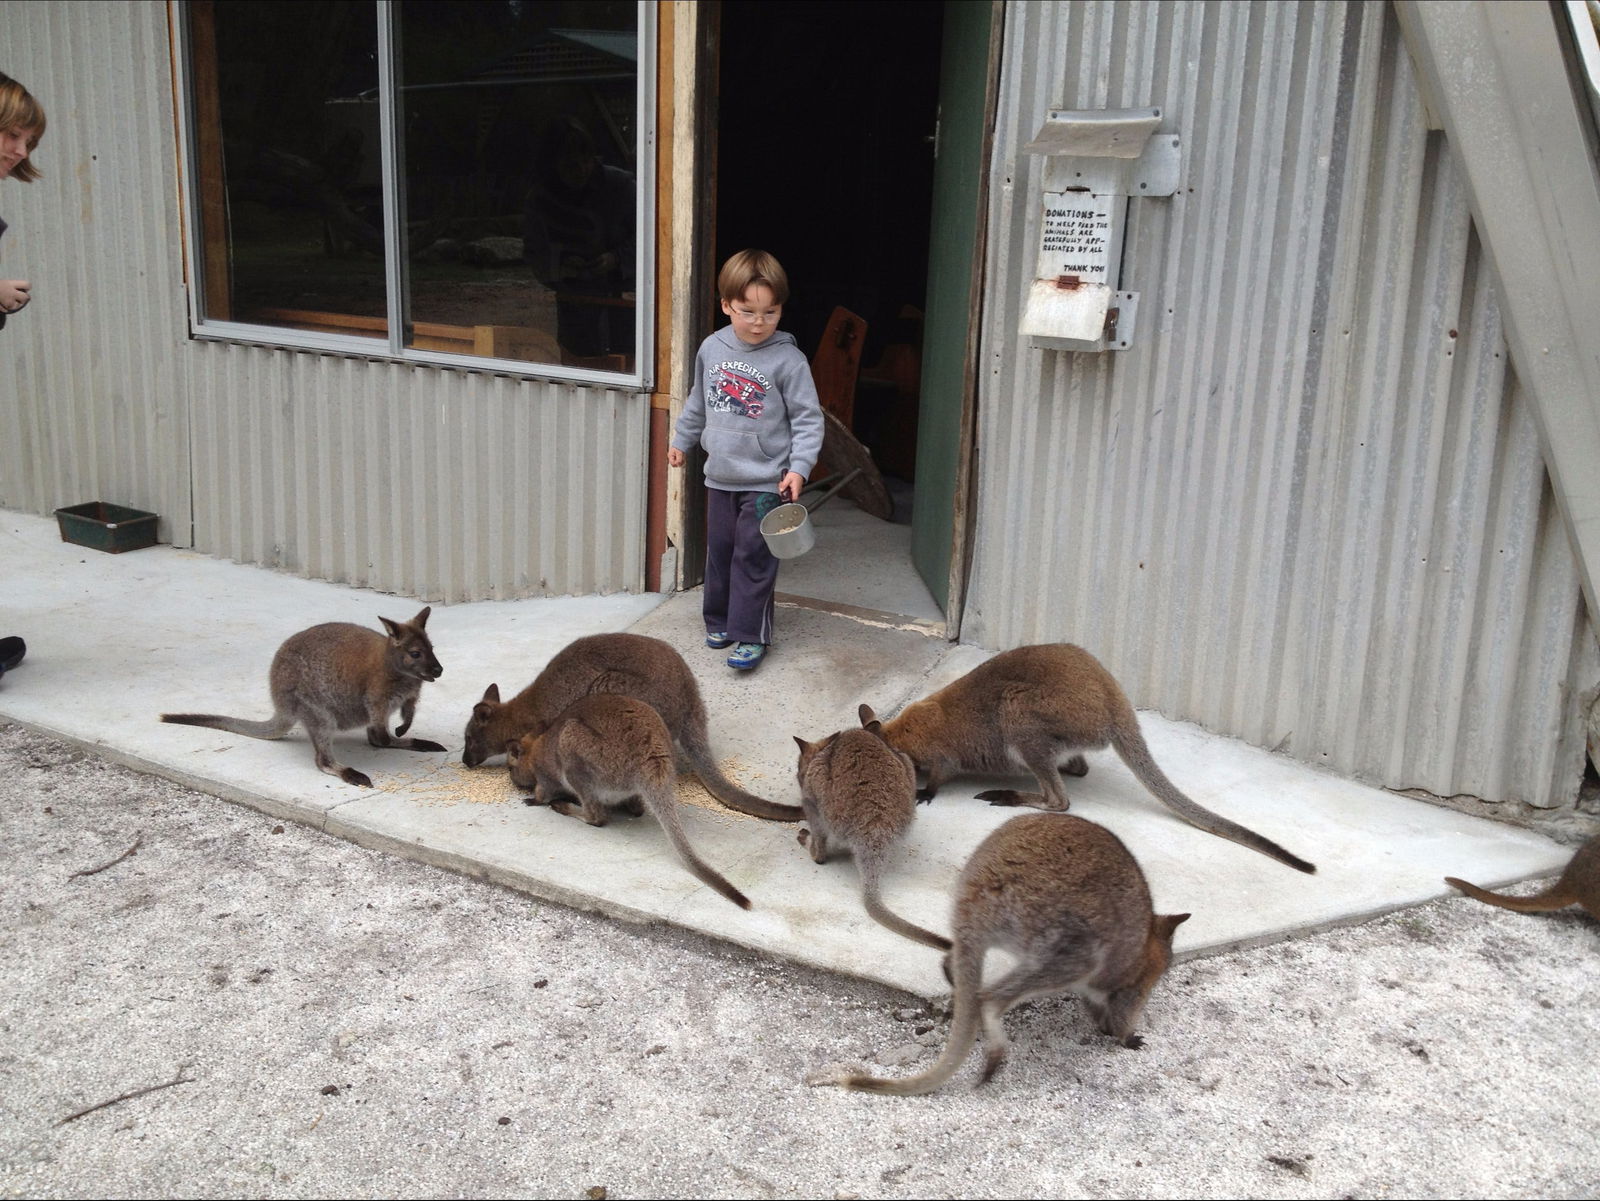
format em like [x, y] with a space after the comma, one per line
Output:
[443, 484]
[1308, 507]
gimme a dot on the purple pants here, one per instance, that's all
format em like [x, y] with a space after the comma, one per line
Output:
[741, 573]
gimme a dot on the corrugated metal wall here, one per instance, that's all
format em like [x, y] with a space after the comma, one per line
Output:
[441, 484]
[91, 382]
[1308, 507]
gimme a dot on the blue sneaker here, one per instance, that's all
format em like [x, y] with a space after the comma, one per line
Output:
[747, 655]
[718, 640]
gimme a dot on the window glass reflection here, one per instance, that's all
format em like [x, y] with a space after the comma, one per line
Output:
[520, 188]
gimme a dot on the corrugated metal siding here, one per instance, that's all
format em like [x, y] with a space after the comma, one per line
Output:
[442, 484]
[447, 485]
[91, 385]
[1308, 507]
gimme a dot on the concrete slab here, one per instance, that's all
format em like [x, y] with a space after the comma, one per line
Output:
[862, 561]
[115, 640]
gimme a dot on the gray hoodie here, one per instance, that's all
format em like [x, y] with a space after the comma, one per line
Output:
[754, 409]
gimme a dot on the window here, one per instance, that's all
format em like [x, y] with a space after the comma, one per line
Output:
[436, 180]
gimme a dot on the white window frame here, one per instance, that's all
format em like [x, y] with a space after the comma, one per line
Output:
[393, 347]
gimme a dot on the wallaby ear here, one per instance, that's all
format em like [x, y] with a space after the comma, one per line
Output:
[392, 626]
[421, 619]
[801, 743]
[491, 694]
[869, 719]
[1166, 923]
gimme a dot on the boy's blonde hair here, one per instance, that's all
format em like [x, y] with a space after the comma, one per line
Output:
[752, 267]
[19, 110]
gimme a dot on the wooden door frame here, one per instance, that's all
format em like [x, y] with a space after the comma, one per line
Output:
[686, 92]
[964, 516]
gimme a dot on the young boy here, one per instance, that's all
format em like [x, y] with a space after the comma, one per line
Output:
[754, 408]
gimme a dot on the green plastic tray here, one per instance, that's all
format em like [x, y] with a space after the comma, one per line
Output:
[107, 527]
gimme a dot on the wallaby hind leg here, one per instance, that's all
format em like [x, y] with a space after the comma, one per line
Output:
[632, 807]
[327, 763]
[378, 735]
[1040, 756]
[1034, 976]
[583, 783]
[586, 808]
[547, 789]
[815, 837]
[378, 727]
[814, 841]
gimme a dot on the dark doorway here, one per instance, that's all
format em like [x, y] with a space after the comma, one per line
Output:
[825, 156]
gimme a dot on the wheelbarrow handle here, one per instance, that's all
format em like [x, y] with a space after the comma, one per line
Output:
[833, 490]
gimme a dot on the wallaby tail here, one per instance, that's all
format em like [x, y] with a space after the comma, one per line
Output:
[872, 898]
[966, 968]
[697, 749]
[1130, 744]
[1554, 897]
[666, 811]
[275, 726]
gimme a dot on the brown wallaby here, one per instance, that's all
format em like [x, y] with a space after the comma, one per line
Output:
[1579, 884]
[860, 793]
[337, 676]
[1037, 708]
[610, 752]
[628, 665]
[1066, 898]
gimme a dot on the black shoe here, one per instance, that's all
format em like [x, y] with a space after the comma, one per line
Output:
[11, 651]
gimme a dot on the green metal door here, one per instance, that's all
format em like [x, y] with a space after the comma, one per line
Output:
[954, 264]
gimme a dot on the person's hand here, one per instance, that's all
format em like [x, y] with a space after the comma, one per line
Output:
[14, 294]
[789, 489]
[674, 457]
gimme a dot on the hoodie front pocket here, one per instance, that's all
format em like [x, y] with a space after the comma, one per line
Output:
[737, 457]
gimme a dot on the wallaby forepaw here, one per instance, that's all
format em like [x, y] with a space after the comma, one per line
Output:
[924, 795]
[803, 836]
[1133, 1042]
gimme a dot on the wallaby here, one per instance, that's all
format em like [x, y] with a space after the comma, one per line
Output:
[860, 793]
[1064, 896]
[1037, 708]
[628, 665]
[337, 676]
[1579, 884]
[610, 752]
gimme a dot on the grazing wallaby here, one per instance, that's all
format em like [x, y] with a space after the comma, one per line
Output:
[610, 752]
[1067, 899]
[1579, 884]
[338, 676]
[1037, 708]
[860, 793]
[628, 665]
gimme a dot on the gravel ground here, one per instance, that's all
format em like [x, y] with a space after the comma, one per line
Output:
[345, 1023]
